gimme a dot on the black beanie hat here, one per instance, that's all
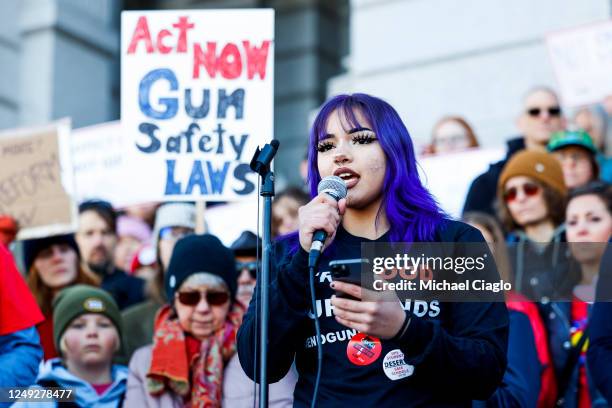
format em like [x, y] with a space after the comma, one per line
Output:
[200, 253]
[246, 244]
[32, 247]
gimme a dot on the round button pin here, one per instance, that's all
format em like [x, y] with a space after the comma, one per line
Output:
[395, 367]
[363, 350]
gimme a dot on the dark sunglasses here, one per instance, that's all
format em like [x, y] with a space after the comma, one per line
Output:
[213, 298]
[535, 112]
[250, 266]
[529, 189]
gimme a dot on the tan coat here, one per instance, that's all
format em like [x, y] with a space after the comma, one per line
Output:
[237, 387]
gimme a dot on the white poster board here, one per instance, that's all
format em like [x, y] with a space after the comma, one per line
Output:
[582, 62]
[449, 176]
[197, 99]
[99, 164]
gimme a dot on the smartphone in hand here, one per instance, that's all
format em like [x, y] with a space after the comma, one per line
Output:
[349, 271]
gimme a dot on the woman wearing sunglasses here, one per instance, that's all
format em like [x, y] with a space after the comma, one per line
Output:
[195, 332]
[531, 199]
[172, 222]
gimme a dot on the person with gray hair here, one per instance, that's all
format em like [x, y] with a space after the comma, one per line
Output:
[195, 331]
[540, 117]
[598, 124]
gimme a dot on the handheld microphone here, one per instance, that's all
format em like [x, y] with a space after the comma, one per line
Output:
[335, 187]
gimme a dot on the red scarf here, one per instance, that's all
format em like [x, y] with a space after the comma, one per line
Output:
[173, 366]
[45, 332]
[18, 308]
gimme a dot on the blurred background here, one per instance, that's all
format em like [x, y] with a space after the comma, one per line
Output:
[428, 58]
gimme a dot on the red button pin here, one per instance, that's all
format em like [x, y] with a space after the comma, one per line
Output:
[363, 350]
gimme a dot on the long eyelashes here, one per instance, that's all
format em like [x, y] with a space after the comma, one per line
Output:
[364, 138]
[358, 138]
[324, 146]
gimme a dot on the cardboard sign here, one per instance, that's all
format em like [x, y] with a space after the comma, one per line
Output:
[196, 100]
[582, 61]
[34, 174]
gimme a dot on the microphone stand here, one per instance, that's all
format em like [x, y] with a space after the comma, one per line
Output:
[260, 163]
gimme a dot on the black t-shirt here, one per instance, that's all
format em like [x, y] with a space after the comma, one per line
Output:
[450, 354]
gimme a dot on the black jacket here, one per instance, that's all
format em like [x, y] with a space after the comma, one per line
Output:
[483, 190]
[452, 352]
[599, 354]
[126, 289]
[542, 272]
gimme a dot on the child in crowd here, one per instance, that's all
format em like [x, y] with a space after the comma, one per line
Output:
[87, 331]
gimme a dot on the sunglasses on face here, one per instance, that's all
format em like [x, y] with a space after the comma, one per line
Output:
[529, 189]
[535, 112]
[193, 297]
[250, 266]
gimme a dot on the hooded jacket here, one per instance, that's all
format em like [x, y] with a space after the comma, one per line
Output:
[85, 395]
[542, 271]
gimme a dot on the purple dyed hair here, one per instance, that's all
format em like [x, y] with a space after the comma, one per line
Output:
[412, 212]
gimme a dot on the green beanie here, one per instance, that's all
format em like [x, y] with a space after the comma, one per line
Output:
[78, 300]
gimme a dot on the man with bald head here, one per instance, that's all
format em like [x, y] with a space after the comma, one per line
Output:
[540, 117]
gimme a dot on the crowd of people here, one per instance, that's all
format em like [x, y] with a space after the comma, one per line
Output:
[136, 309]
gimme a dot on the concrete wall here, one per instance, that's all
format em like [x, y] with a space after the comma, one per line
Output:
[59, 58]
[9, 67]
[475, 58]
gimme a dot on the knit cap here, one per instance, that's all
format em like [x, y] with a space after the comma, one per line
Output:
[200, 253]
[173, 215]
[537, 165]
[32, 247]
[78, 300]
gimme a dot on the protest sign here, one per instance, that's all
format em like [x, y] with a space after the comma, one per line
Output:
[35, 178]
[196, 100]
[582, 62]
[100, 167]
[228, 221]
[449, 176]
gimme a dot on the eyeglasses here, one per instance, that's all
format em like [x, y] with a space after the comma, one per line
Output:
[553, 111]
[529, 189]
[250, 266]
[193, 297]
[174, 233]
